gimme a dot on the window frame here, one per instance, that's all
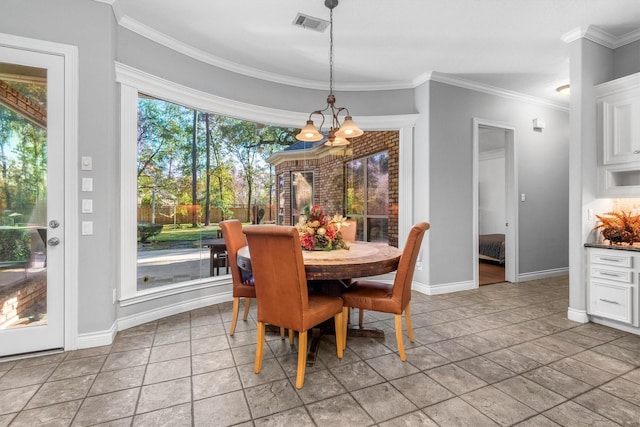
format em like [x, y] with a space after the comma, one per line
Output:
[132, 82]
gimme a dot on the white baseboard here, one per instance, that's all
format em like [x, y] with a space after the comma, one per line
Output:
[442, 288]
[100, 338]
[170, 310]
[97, 339]
[577, 315]
[615, 325]
[543, 274]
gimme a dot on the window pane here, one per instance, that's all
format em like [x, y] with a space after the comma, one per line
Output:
[301, 193]
[170, 236]
[23, 199]
[355, 188]
[378, 184]
[377, 230]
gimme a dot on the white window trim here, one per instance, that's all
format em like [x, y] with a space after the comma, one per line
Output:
[133, 81]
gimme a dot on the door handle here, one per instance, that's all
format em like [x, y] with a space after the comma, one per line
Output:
[54, 224]
[54, 241]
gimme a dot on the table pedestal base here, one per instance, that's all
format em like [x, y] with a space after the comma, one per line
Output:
[328, 328]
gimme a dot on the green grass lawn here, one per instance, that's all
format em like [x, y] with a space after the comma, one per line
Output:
[183, 235]
[186, 233]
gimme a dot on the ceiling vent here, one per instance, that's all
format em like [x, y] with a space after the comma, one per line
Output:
[311, 23]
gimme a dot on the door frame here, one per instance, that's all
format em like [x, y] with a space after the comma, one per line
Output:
[69, 54]
[511, 199]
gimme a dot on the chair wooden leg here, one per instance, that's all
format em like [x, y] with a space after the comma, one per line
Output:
[345, 328]
[257, 366]
[281, 333]
[407, 319]
[234, 316]
[338, 320]
[291, 338]
[360, 317]
[302, 358]
[403, 356]
[247, 304]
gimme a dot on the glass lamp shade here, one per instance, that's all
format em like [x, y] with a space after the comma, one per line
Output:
[349, 129]
[337, 142]
[309, 133]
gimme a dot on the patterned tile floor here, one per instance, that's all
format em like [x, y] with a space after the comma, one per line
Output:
[503, 354]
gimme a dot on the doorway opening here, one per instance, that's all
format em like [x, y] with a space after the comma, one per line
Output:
[495, 203]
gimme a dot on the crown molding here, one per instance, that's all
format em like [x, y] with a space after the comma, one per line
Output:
[492, 90]
[200, 55]
[169, 42]
[601, 37]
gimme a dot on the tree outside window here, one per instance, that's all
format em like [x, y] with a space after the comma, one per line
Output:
[195, 169]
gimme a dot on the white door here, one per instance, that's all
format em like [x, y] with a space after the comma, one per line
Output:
[31, 201]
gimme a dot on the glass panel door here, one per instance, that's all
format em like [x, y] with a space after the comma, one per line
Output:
[31, 201]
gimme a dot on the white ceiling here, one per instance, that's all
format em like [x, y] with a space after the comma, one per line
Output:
[517, 45]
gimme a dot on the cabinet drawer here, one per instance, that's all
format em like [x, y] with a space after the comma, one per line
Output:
[624, 260]
[612, 301]
[624, 276]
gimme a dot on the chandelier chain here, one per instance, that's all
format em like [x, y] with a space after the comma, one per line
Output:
[331, 51]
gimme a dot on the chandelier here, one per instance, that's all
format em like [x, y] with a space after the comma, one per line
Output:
[338, 133]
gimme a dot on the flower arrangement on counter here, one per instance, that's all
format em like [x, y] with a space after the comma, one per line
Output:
[319, 232]
[619, 227]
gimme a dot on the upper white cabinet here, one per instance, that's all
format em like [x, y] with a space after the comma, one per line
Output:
[620, 118]
[618, 103]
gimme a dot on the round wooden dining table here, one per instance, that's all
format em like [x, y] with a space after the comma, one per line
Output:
[362, 259]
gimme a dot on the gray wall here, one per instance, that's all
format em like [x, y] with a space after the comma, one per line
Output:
[626, 60]
[155, 59]
[91, 26]
[442, 190]
[543, 177]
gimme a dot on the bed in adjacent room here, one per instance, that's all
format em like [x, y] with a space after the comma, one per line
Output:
[491, 247]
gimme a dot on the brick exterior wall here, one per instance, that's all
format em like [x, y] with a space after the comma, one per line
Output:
[22, 299]
[16, 101]
[329, 177]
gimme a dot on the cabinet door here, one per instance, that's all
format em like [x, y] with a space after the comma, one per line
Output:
[621, 141]
[612, 301]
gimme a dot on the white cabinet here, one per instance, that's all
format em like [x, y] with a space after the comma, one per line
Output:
[618, 105]
[620, 129]
[612, 290]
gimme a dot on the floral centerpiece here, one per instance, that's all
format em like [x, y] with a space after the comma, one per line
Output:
[319, 232]
[619, 227]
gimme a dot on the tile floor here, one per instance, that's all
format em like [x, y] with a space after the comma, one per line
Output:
[503, 354]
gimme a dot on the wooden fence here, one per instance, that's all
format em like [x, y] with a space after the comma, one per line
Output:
[183, 214]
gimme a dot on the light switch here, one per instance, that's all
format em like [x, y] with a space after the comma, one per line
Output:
[87, 184]
[522, 197]
[87, 228]
[86, 163]
[87, 206]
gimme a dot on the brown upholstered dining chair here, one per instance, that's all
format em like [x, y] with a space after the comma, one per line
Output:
[235, 239]
[281, 289]
[349, 232]
[395, 298]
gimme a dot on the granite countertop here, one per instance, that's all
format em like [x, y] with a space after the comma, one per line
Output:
[601, 245]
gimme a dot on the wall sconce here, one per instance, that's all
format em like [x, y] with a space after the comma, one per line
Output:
[538, 124]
